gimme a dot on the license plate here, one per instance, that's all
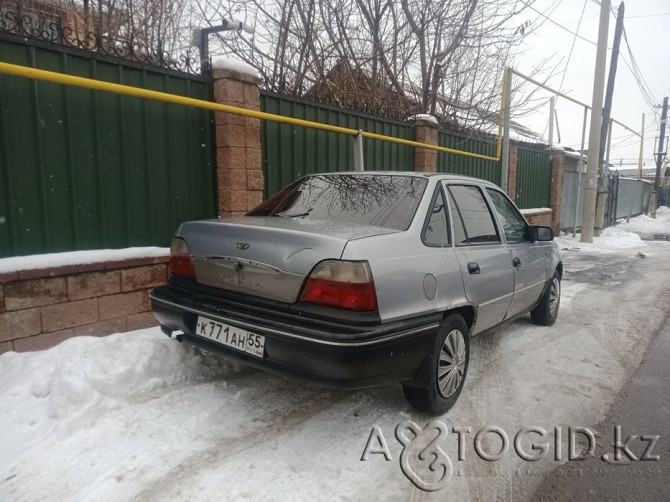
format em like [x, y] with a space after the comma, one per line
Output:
[230, 336]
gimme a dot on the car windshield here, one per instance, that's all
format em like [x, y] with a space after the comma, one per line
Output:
[380, 200]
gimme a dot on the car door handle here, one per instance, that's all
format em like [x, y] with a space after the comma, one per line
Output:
[516, 262]
[473, 268]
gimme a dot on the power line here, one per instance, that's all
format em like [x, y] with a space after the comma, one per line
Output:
[544, 14]
[646, 92]
[561, 26]
[560, 87]
[649, 15]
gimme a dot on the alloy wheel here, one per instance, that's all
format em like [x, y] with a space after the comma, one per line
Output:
[451, 366]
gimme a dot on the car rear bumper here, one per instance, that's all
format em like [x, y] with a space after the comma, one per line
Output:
[335, 353]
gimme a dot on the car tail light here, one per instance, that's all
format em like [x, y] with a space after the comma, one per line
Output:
[341, 284]
[180, 258]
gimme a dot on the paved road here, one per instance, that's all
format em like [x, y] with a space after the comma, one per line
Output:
[641, 408]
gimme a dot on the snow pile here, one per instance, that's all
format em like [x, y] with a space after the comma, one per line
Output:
[424, 117]
[611, 239]
[222, 63]
[616, 238]
[51, 260]
[647, 224]
[46, 391]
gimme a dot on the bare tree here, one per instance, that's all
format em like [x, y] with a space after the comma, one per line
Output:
[152, 31]
[388, 57]
[391, 58]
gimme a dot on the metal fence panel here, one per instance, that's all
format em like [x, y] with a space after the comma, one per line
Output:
[571, 199]
[634, 196]
[468, 166]
[633, 199]
[533, 178]
[290, 152]
[82, 169]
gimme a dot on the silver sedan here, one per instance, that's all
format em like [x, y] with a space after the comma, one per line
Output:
[361, 279]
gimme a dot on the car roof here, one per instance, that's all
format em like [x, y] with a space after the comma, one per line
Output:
[416, 174]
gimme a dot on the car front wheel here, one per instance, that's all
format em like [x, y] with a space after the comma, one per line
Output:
[448, 368]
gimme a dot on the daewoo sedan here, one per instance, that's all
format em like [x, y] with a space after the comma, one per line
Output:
[361, 279]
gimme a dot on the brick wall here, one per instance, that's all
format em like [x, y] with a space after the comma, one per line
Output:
[542, 218]
[512, 170]
[425, 159]
[555, 197]
[41, 308]
[240, 179]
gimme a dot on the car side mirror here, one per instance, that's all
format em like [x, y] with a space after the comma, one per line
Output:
[538, 233]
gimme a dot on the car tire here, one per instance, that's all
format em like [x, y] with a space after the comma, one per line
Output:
[546, 311]
[447, 369]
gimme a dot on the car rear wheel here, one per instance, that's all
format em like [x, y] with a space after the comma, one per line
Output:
[546, 311]
[447, 369]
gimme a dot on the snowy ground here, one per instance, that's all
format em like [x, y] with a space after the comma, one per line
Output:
[645, 225]
[140, 416]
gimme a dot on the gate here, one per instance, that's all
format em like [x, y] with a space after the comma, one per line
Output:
[612, 199]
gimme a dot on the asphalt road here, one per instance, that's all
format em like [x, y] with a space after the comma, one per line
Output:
[642, 408]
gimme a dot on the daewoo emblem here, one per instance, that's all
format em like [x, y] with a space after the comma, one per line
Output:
[242, 246]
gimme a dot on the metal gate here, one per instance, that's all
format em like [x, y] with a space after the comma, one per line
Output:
[612, 198]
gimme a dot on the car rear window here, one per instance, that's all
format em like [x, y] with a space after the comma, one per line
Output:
[387, 201]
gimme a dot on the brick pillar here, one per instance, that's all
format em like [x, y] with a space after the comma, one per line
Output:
[238, 143]
[511, 172]
[425, 160]
[558, 156]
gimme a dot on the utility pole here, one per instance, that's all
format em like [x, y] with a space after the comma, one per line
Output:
[507, 106]
[552, 110]
[606, 126]
[589, 201]
[660, 155]
[639, 162]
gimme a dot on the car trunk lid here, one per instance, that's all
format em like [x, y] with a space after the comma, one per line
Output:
[266, 256]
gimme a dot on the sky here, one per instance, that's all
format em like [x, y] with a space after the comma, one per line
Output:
[647, 25]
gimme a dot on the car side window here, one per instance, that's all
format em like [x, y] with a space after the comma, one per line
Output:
[436, 232]
[460, 239]
[513, 223]
[475, 214]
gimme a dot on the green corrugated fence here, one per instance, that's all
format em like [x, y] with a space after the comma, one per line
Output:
[533, 179]
[468, 166]
[290, 152]
[81, 169]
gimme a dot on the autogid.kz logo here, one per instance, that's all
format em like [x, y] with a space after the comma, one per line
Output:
[426, 464]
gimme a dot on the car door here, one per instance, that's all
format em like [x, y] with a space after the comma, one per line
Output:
[483, 258]
[529, 259]
[444, 283]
